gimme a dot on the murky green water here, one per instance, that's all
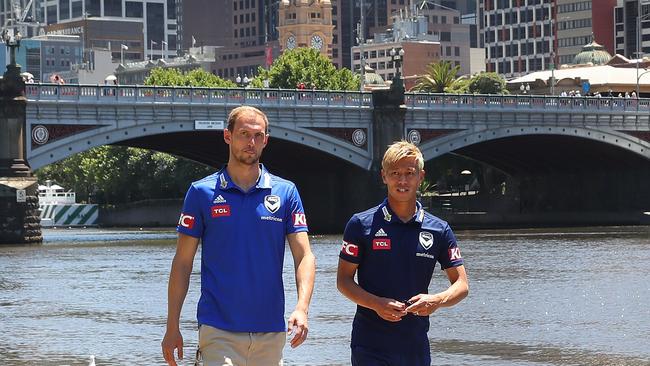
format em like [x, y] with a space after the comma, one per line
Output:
[538, 297]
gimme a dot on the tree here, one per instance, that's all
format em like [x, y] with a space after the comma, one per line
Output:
[119, 174]
[307, 66]
[439, 76]
[487, 83]
[195, 77]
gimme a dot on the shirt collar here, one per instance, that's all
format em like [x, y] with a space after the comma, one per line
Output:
[390, 216]
[224, 182]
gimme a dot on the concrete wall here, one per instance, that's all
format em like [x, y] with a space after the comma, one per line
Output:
[142, 213]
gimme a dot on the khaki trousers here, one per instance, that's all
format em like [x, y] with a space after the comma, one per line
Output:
[222, 348]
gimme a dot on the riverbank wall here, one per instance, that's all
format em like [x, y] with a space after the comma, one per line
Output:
[165, 213]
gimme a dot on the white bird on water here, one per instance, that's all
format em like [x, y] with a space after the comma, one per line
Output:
[92, 361]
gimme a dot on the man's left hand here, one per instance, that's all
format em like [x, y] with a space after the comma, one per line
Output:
[298, 327]
[424, 304]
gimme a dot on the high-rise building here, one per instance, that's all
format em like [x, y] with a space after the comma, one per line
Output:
[580, 22]
[375, 20]
[522, 36]
[518, 35]
[244, 32]
[629, 25]
[158, 18]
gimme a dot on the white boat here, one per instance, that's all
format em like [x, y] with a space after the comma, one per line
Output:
[59, 207]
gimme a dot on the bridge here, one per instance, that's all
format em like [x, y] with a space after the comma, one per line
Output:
[562, 153]
[67, 119]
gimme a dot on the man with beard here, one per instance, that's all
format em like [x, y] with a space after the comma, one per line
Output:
[393, 248]
[241, 214]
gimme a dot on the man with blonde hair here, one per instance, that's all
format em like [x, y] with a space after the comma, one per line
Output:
[393, 249]
[242, 215]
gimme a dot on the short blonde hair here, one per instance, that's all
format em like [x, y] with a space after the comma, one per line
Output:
[239, 111]
[400, 150]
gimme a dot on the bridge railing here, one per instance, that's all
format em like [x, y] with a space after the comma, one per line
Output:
[438, 101]
[291, 97]
[156, 94]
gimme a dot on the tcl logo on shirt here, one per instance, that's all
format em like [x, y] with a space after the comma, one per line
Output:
[380, 244]
[454, 254]
[220, 210]
[299, 219]
[186, 221]
[350, 249]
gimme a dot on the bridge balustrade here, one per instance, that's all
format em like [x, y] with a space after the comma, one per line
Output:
[438, 101]
[156, 94]
[284, 97]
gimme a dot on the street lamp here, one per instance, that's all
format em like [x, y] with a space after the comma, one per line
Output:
[123, 48]
[13, 42]
[242, 83]
[639, 78]
[639, 18]
[524, 88]
[397, 58]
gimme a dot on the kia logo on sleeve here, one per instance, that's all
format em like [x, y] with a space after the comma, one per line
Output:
[299, 219]
[454, 254]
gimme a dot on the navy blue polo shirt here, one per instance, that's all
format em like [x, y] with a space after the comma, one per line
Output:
[242, 248]
[396, 260]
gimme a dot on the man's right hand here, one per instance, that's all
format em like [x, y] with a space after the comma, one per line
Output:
[389, 309]
[173, 340]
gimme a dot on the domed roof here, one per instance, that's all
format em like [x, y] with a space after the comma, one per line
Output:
[592, 53]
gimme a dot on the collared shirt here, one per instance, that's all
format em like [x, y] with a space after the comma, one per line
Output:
[396, 260]
[242, 251]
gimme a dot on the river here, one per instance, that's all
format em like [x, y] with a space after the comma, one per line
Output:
[537, 297]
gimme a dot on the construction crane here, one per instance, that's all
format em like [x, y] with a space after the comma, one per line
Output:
[20, 21]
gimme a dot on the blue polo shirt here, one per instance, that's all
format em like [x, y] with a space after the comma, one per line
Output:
[242, 248]
[396, 260]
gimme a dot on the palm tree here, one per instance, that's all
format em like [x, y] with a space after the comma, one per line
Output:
[439, 76]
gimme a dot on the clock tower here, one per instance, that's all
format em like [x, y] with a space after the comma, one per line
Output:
[306, 23]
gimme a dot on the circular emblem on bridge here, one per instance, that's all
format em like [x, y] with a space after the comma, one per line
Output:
[359, 137]
[414, 137]
[40, 134]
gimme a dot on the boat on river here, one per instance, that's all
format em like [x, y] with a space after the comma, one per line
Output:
[59, 207]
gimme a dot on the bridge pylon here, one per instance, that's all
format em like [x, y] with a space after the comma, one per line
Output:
[19, 213]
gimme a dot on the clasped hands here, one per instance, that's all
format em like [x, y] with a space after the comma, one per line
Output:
[420, 305]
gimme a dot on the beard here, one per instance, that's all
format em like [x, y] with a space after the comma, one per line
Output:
[246, 158]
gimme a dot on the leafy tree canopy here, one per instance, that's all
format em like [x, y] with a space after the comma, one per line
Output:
[118, 174]
[196, 77]
[487, 83]
[307, 66]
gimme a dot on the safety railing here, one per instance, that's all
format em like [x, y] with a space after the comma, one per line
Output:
[157, 94]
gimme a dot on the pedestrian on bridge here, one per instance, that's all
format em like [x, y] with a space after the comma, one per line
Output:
[393, 249]
[242, 215]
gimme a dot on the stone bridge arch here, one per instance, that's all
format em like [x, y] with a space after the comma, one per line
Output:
[61, 148]
[631, 141]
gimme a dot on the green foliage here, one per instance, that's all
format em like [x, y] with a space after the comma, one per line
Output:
[487, 83]
[460, 86]
[197, 77]
[118, 174]
[308, 66]
[427, 188]
[440, 76]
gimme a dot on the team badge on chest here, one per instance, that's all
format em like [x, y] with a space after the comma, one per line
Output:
[426, 239]
[272, 203]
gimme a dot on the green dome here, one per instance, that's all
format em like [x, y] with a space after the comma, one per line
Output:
[594, 53]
